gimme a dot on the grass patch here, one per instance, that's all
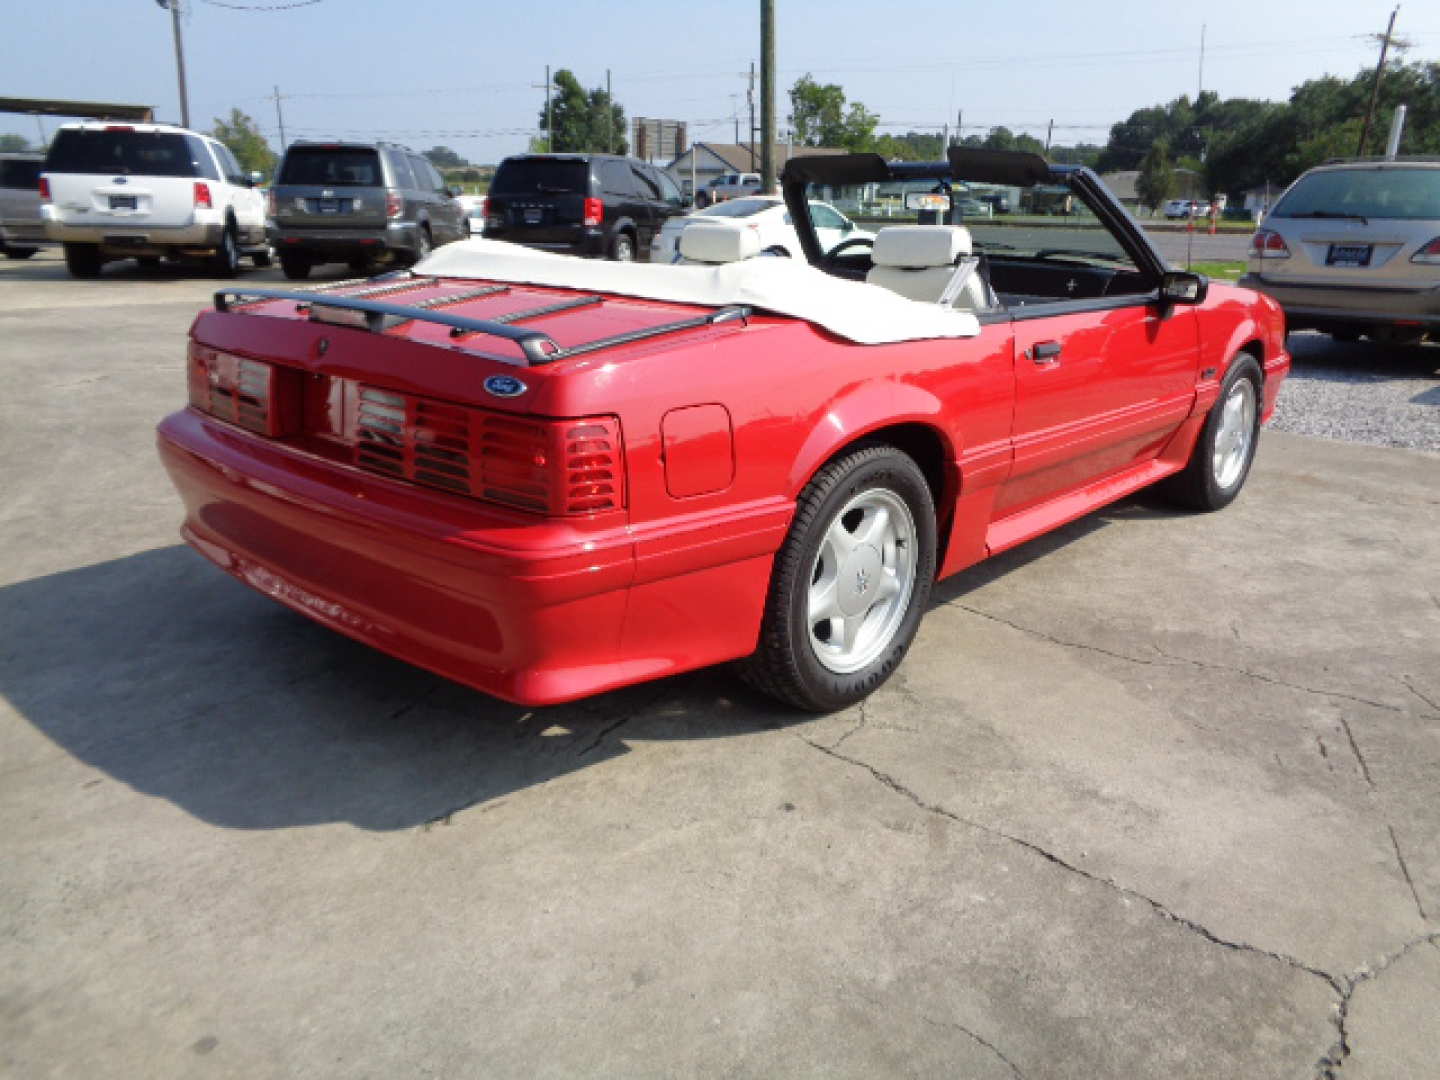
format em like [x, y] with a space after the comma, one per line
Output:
[1227, 270]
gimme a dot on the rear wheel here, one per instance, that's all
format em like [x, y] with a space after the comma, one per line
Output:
[850, 583]
[262, 258]
[622, 248]
[423, 244]
[296, 267]
[83, 260]
[226, 260]
[1221, 460]
[19, 252]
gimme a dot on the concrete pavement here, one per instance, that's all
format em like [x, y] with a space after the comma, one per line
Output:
[1156, 795]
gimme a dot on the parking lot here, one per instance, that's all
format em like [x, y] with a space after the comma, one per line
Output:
[1157, 795]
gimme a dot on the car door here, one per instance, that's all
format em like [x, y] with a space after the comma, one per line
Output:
[247, 203]
[830, 227]
[445, 214]
[617, 185]
[651, 203]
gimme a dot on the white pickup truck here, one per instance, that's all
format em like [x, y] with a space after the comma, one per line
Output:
[728, 186]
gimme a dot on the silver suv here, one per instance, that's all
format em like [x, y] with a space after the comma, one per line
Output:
[1353, 248]
[359, 203]
[22, 230]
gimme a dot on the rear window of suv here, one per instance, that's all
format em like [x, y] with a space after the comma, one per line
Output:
[541, 176]
[332, 167]
[123, 152]
[1408, 194]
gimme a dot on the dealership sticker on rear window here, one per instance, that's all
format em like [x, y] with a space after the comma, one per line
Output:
[505, 386]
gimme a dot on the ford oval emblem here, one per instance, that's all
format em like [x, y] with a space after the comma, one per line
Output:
[119, 180]
[505, 386]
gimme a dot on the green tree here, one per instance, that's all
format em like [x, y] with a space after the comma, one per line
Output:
[584, 121]
[242, 136]
[1156, 181]
[820, 117]
[442, 157]
[11, 144]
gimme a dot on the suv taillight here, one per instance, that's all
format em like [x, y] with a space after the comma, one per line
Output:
[1429, 254]
[394, 204]
[44, 189]
[1268, 244]
[202, 196]
[594, 211]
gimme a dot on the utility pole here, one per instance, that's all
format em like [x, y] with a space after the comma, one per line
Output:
[280, 119]
[750, 95]
[1049, 133]
[1200, 79]
[609, 116]
[767, 95]
[1375, 87]
[174, 6]
[549, 116]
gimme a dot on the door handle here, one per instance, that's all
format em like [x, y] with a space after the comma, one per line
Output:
[1045, 352]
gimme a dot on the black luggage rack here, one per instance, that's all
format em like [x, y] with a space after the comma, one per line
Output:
[539, 348]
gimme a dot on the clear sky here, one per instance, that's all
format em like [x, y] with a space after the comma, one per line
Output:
[460, 74]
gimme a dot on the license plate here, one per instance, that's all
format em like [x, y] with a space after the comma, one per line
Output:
[122, 202]
[327, 206]
[1348, 255]
[532, 217]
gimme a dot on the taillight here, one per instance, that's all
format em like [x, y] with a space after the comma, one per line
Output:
[1429, 254]
[394, 204]
[251, 393]
[555, 467]
[594, 211]
[44, 189]
[1268, 244]
[202, 196]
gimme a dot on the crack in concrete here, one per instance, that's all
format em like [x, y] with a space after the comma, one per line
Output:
[1404, 869]
[1404, 680]
[1355, 748]
[1329, 1066]
[412, 705]
[1160, 909]
[864, 719]
[595, 742]
[977, 1038]
[1201, 664]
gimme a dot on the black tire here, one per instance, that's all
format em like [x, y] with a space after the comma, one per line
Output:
[791, 662]
[83, 260]
[424, 244]
[295, 266]
[362, 266]
[1204, 484]
[148, 262]
[1347, 335]
[226, 260]
[262, 258]
[19, 252]
[622, 248]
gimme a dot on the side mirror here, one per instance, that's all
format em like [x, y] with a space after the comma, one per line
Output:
[849, 226]
[1183, 287]
[255, 178]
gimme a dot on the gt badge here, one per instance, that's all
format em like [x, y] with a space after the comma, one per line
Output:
[505, 386]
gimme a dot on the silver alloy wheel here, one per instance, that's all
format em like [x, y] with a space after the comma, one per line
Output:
[861, 581]
[1235, 435]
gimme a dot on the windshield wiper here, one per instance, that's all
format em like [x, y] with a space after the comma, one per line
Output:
[1331, 214]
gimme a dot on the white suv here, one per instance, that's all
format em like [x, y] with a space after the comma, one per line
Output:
[147, 191]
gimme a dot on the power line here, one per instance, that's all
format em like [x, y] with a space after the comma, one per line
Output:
[262, 7]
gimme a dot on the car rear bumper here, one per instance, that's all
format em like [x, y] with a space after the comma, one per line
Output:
[1314, 306]
[24, 233]
[128, 234]
[578, 240]
[532, 610]
[344, 243]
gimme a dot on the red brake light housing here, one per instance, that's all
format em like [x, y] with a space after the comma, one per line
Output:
[594, 211]
[252, 394]
[1429, 254]
[1268, 244]
[44, 189]
[394, 204]
[202, 196]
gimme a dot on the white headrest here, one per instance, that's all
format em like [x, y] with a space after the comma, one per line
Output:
[914, 246]
[718, 242]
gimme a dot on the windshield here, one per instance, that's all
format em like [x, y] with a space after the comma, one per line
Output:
[739, 208]
[535, 176]
[1408, 194]
[1047, 221]
[124, 152]
[332, 167]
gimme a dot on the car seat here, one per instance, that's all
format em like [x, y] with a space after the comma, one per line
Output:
[710, 243]
[931, 263]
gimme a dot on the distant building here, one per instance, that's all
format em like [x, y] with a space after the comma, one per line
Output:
[714, 159]
[1189, 184]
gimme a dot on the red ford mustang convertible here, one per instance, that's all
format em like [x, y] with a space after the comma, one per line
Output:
[547, 477]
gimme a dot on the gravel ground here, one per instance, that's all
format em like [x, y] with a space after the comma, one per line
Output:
[1362, 393]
